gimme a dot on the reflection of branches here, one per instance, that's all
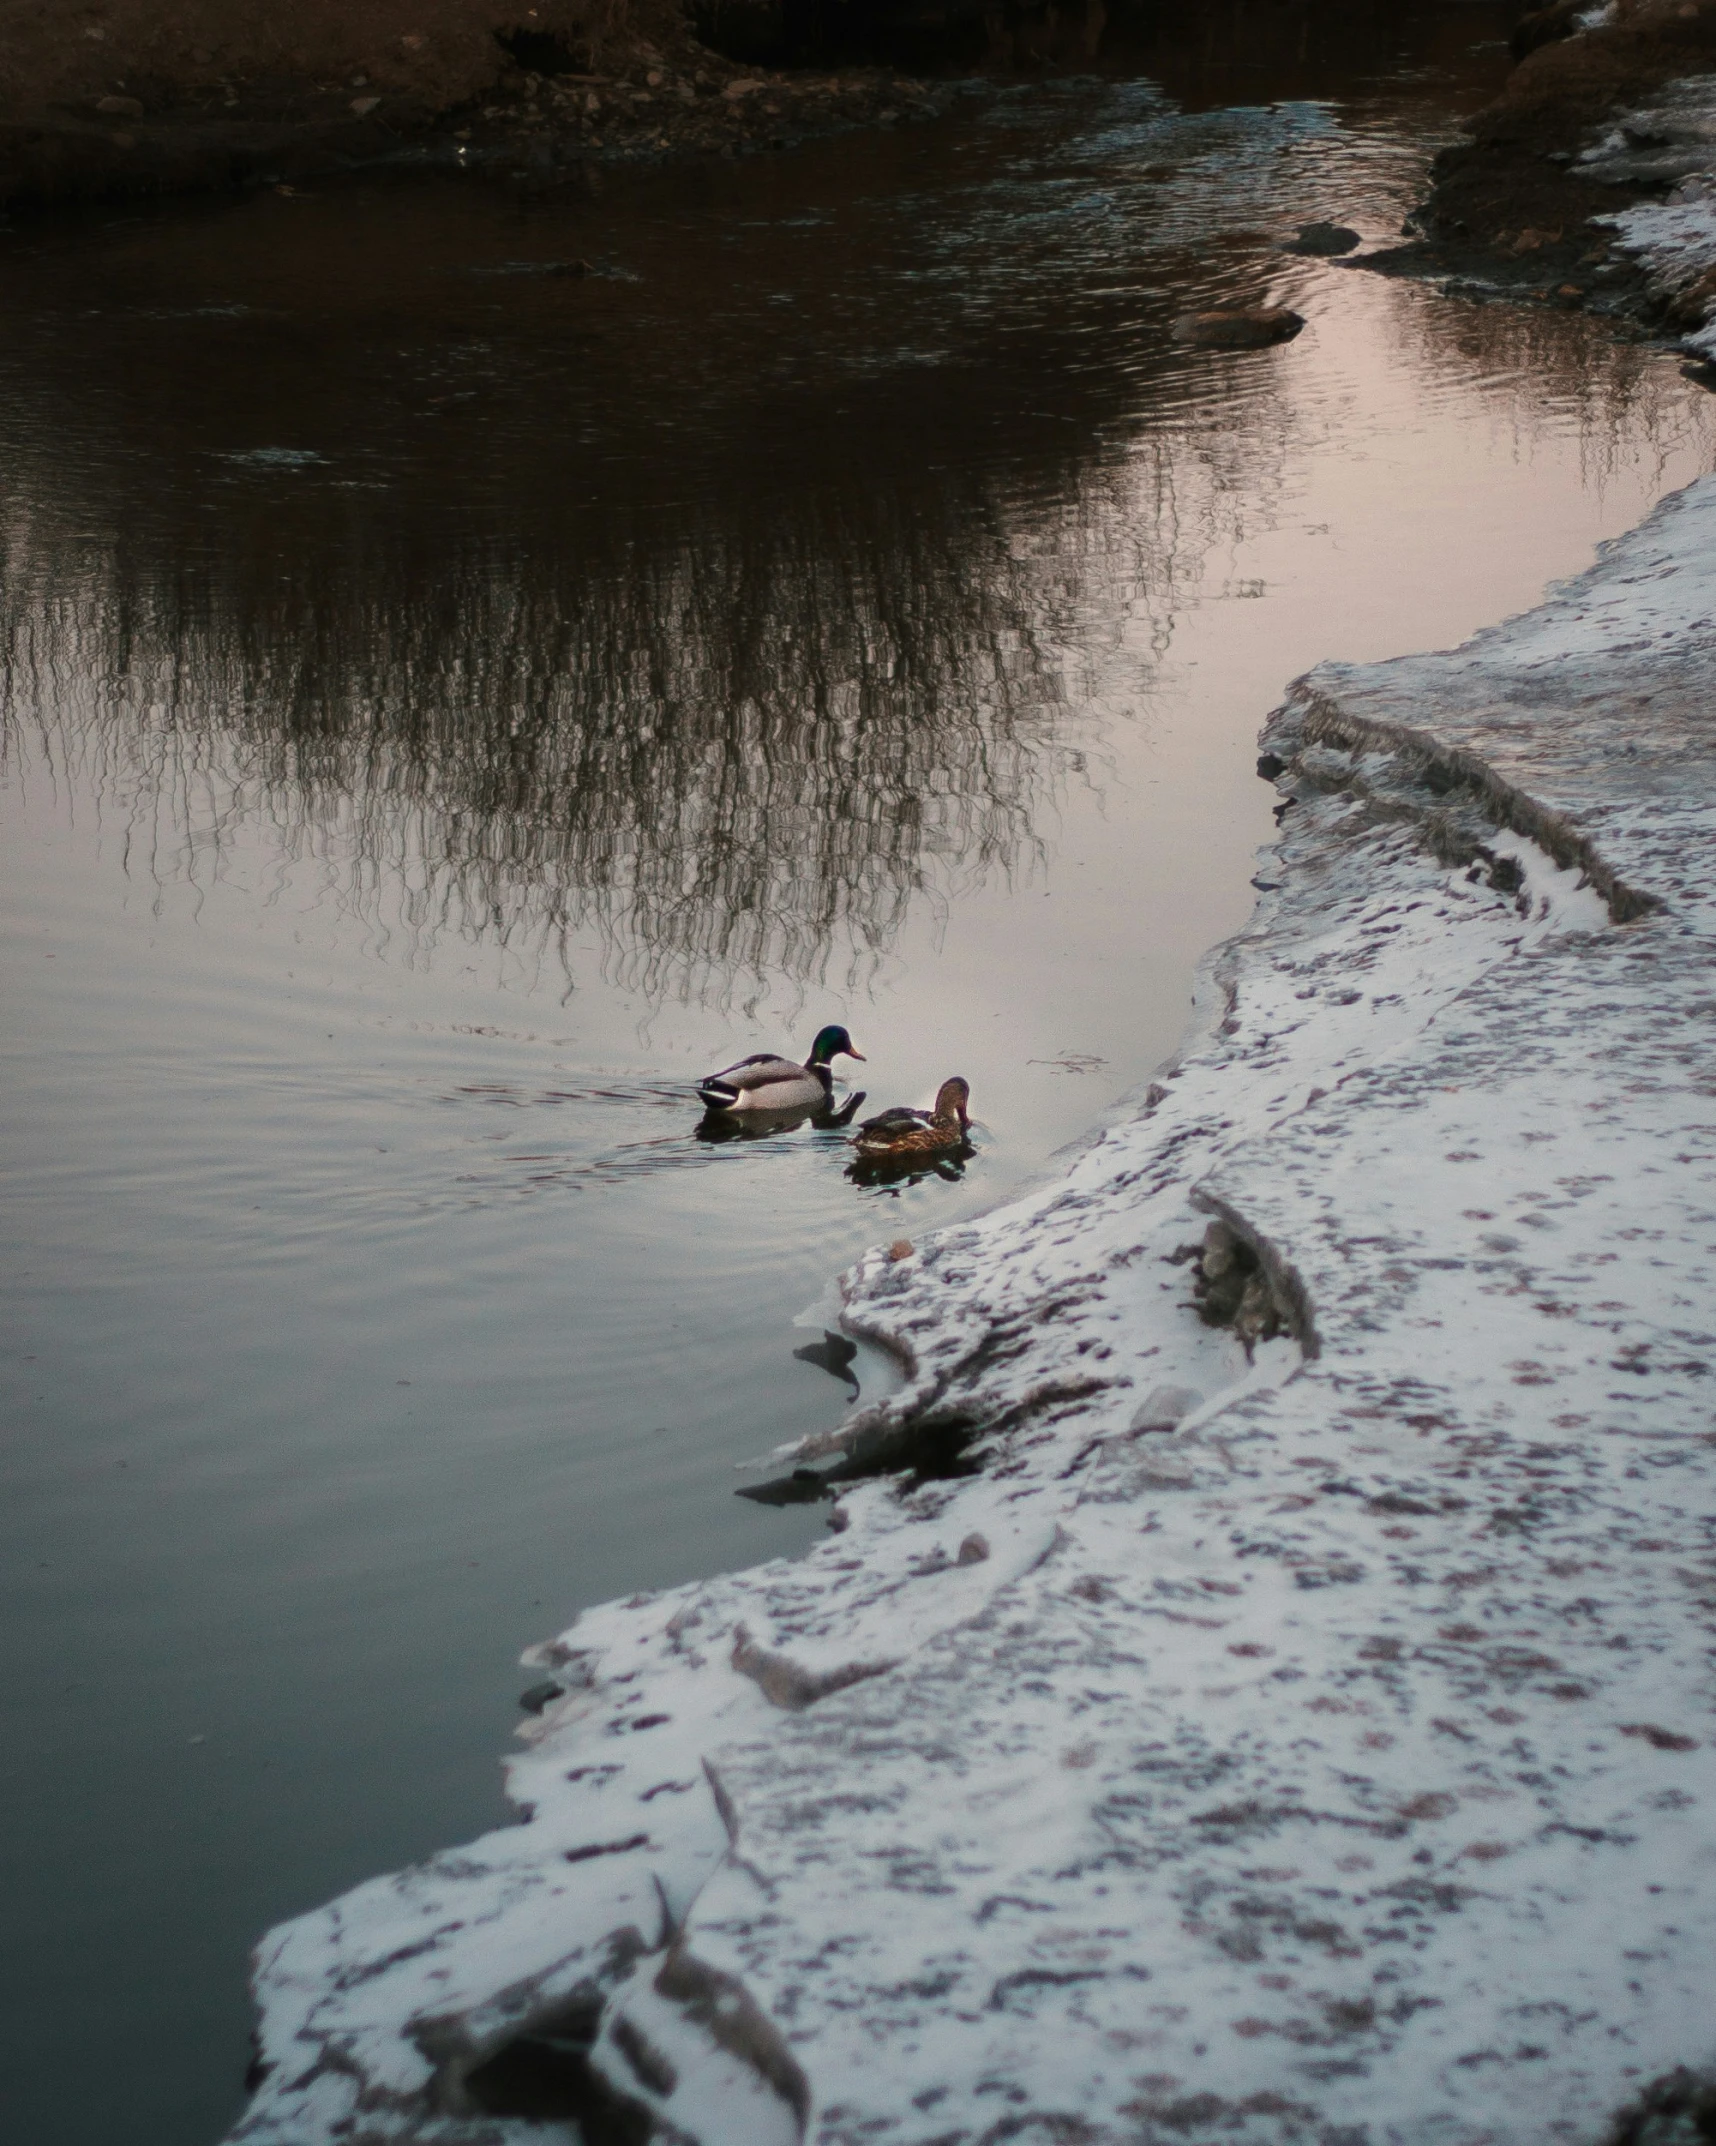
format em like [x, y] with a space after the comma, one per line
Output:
[735, 754]
[738, 747]
[515, 687]
[1614, 395]
[735, 740]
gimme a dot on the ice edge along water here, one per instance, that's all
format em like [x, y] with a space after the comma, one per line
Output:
[1314, 1746]
[1670, 143]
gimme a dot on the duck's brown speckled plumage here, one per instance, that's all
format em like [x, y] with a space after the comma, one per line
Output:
[904, 1132]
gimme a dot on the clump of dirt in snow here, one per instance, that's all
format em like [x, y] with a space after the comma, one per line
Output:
[1678, 2110]
[1231, 1287]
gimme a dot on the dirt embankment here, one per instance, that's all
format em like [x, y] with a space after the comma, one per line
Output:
[140, 96]
[1514, 204]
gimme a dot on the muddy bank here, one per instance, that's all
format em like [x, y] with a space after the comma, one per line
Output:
[163, 96]
[131, 97]
[1588, 124]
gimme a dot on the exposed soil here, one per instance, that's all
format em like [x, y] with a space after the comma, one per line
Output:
[1509, 207]
[1677, 2110]
[112, 97]
[144, 96]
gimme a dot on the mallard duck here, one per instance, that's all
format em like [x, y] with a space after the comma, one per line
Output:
[901, 1134]
[769, 1083]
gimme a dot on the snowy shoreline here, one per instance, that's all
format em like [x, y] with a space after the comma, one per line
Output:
[1308, 1747]
[1672, 237]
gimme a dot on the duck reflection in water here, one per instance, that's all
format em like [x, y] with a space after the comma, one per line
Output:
[717, 1125]
[903, 1143]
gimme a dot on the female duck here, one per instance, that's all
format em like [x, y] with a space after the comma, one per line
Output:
[899, 1135]
[769, 1083]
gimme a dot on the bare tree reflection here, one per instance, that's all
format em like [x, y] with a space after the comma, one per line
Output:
[733, 736]
[742, 753]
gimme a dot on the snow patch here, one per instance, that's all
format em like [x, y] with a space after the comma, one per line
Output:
[1674, 239]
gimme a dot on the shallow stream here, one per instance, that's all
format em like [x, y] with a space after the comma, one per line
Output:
[449, 702]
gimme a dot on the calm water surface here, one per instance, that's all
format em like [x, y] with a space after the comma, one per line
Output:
[447, 706]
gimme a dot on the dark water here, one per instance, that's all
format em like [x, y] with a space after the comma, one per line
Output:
[447, 706]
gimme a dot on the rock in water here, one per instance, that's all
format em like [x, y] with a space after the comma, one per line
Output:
[1322, 240]
[1239, 328]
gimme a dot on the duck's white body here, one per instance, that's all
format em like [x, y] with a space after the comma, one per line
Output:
[767, 1083]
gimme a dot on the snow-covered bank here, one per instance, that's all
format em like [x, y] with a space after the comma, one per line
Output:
[1671, 142]
[1314, 1746]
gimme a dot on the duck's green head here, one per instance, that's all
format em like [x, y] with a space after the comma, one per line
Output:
[833, 1043]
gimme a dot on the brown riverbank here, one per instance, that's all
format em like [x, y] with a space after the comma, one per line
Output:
[158, 96]
[1515, 205]
[106, 98]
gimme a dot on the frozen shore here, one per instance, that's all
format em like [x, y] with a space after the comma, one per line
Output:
[1314, 1745]
[1672, 238]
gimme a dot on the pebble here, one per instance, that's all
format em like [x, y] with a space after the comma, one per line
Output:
[1323, 241]
[1239, 328]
